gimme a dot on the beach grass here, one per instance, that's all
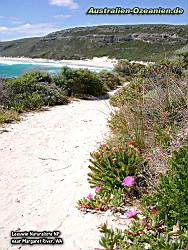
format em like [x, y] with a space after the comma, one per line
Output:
[8, 116]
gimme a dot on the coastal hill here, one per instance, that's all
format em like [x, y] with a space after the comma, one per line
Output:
[149, 42]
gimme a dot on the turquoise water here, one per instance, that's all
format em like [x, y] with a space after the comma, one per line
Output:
[15, 70]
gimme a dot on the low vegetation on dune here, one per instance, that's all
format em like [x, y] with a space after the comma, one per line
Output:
[144, 163]
[36, 90]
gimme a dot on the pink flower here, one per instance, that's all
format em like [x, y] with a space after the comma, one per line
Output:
[90, 197]
[98, 189]
[132, 214]
[129, 181]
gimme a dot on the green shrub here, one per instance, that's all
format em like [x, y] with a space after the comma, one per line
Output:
[59, 81]
[32, 102]
[110, 80]
[80, 82]
[27, 83]
[183, 55]
[65, 79]
[175, 66]
[172, 199]
[31, 91]
[172, 196]
[127, 68]
[163, 68]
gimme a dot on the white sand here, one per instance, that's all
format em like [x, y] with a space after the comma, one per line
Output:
[98, 62]
[43, 172]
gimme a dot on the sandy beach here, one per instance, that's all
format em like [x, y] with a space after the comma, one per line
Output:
[99, 62]
[43, 173]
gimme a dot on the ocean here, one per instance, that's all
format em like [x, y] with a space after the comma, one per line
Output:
[15, 70]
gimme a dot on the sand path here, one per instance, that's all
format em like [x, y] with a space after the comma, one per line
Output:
[43, 172]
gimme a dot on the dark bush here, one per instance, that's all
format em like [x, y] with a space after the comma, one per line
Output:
[30, 92]
[80, 82]
[109, 80]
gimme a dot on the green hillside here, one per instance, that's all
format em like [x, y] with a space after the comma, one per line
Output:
[134, 42]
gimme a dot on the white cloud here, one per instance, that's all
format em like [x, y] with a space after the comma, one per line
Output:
[3, 29]
[64, 3]
[63, 17]
[28, 30]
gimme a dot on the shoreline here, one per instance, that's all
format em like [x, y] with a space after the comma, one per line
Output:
[96, 62]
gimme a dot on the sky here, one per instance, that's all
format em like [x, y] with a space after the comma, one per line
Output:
[31, 18]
